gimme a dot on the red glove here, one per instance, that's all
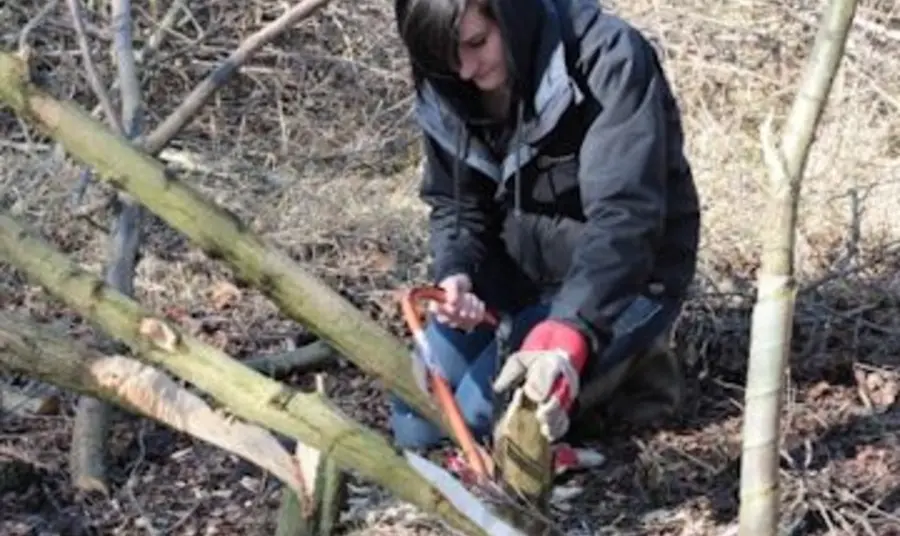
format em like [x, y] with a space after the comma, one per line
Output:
[552, 335]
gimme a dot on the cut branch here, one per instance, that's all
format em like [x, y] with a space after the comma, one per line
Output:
[33, 350]
[250, 395]
[220, 233]
[772, 320]
[326, 492]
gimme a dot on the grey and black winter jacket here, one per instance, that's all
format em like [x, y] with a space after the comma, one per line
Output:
[593, 196]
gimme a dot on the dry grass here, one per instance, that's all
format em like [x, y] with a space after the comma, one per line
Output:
[313, 146]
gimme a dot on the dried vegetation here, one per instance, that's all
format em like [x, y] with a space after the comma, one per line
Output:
[313, 145]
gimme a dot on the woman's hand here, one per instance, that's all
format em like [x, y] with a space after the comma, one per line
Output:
[461, 308]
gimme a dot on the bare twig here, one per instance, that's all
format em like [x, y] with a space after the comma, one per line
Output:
[156, 38]
[173, 124]
[34, 22]
[90, 67]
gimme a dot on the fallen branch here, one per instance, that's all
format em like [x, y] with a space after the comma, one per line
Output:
[220, 234]
[250, 395]
[37, 352]
[306, 357]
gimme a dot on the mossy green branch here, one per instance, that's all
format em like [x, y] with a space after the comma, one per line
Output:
[246, 393]
[219, 233]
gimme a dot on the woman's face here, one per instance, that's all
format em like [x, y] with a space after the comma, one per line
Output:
[481, 52]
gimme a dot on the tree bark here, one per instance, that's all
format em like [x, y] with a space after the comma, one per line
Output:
[772, 320]
[220, 234]
[246, 393]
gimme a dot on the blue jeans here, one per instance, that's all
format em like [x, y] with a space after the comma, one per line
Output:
[469, 360]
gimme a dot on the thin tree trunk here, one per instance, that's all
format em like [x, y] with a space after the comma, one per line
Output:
[773, 313]
[524, 462]
[92, 416]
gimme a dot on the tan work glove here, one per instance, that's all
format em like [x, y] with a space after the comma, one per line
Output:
[550, 379]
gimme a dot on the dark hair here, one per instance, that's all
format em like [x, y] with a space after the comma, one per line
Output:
[430, 31]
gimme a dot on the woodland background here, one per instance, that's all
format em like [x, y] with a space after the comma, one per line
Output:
[312, 144]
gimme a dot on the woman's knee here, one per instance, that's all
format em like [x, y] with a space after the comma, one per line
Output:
[411, 430]
[455, 350]
[475, 396]
[457, 353]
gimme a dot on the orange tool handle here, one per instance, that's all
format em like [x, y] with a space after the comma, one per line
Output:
[442, 391]
[414, 317]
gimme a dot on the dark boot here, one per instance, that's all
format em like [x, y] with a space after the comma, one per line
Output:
[654, 390]
[642, 391]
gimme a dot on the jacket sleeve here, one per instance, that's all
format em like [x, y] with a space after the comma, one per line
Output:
[470, 206]
[622, 177]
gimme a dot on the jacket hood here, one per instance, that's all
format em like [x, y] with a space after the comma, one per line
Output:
[531, 32]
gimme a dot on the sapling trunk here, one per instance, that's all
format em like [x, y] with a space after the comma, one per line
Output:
[524, 463]
[773, 313]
